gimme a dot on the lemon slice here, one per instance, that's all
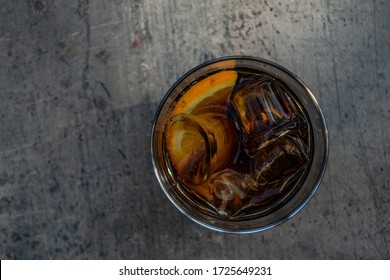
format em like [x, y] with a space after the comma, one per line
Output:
[207, 87]
[189, 140]
[191, 148]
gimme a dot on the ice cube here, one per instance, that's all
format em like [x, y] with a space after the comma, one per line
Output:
[230, 189]
[228, 181]
[279, 162]
[265, 111]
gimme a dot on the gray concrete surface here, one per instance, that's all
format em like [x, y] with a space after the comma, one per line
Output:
[80, 82]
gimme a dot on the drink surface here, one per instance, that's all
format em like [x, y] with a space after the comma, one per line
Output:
[238, 143]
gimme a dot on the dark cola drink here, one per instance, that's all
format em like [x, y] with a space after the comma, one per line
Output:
[239, 144]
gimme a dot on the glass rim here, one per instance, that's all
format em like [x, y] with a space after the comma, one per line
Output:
[313, 189]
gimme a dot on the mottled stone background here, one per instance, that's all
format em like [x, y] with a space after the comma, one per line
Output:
[80, 82]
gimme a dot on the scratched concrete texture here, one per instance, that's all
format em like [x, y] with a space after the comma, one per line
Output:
[80, 82]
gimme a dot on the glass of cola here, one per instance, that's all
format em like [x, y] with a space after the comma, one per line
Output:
[239, 144]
